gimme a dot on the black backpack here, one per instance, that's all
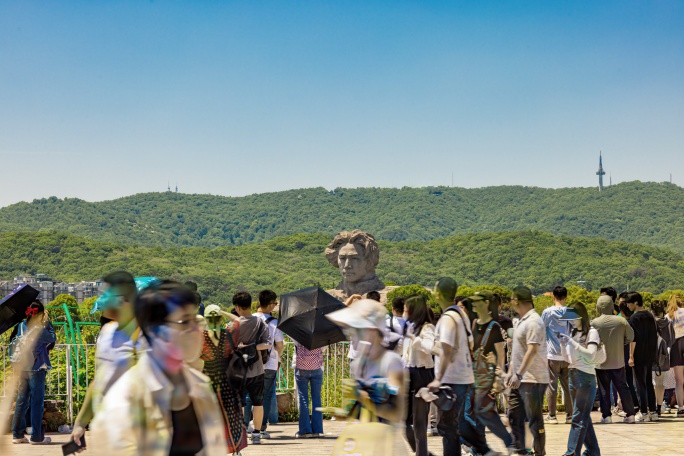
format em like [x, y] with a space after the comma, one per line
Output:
[240, 361]
[393, 345]
[662, 359]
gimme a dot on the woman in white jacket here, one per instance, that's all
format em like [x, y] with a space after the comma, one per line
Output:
[161, 406]
[580, 350]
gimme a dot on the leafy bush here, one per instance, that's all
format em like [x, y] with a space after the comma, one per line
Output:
[409, 290]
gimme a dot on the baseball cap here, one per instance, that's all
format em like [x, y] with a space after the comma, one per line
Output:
[212, 310]
[570, 314]
[522, 294]
[483, 295]
[361, 314]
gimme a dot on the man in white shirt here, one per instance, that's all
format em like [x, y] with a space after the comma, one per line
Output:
[453, 367]
[396, 324]
[528, 374]
[267, 302]
[558, 367]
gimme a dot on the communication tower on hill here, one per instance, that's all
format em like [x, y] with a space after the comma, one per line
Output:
[600, 173]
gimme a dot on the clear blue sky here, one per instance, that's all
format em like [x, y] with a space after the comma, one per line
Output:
[101, 99]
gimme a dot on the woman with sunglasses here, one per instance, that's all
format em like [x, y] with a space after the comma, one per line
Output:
[161, 406]
[215, 364]
[29, 353]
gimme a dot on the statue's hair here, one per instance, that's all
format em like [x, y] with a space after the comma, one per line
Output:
[358, 237]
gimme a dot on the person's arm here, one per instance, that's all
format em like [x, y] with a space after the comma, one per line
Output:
[425, 342]
[352, 298]
[632, 345]
[629, 333]
[500, 358]
[447, 353]
[47, 334]
[84, 417]
[229, 316]
[515, 378]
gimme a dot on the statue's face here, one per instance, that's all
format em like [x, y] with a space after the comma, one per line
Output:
[352, 263]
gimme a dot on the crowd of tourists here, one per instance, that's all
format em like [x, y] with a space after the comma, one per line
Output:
[173, 377]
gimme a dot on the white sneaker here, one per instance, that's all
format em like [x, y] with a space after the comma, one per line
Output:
[432, 430]
[654, 416]
[622, 413]
[568, 419]
[45, 441]
[250, 429]
[256, 438]
[265, 435]
[550, 420]
[21, 440]
[607, 420]
[465, 450]
[642, 418]
[629, 419]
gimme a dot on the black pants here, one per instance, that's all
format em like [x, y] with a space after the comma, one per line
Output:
[418, 410]
[629, 373]
[643, 373]
[619, 379]
[449, 421]
[526, 403]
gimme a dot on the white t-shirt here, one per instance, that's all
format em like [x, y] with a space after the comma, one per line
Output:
[115, 353]
[274, 335]
[578, 360]
[530, 330]
[453, 333]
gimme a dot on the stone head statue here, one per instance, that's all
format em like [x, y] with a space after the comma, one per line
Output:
[356, 255]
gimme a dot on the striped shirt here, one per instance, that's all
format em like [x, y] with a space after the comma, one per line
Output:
[308, 359]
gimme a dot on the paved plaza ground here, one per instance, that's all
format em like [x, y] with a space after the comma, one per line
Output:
[664, 438]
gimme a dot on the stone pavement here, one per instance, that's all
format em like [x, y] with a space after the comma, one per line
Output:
[664, 438]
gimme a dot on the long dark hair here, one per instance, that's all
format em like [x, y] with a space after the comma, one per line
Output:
[582, 311]
[418, 311]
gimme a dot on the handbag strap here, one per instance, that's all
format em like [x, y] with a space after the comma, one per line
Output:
[468, 333]
[485, 339]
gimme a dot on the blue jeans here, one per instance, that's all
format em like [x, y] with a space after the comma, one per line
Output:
[582, 390]
[269, 399]
[448, 425]
[471, 429]
[525, 403]
[309, 424]
[488, 415]
[31, 390]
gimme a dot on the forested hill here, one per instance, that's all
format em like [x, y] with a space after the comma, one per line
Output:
[536, 259]
[646, 213]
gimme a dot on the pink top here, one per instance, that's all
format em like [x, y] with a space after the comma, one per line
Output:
[308, 359]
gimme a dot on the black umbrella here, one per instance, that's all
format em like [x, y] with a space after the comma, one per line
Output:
[302, 317]
[13, 306]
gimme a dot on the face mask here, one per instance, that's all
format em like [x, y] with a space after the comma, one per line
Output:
[180, 345]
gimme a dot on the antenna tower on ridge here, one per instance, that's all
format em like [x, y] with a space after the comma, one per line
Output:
[600, 173]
